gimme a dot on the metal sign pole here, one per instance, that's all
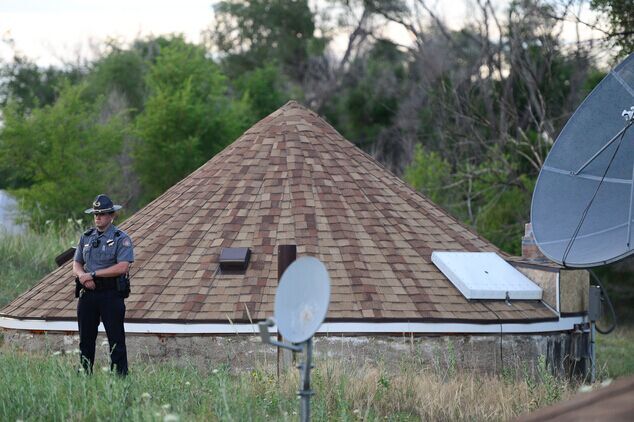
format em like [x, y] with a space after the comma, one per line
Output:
[305, 393]
[593, 353]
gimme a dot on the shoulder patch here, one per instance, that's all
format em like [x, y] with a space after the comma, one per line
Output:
[126, 242]
[89, 232]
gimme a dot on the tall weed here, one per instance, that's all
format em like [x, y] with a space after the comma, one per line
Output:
[27, 257]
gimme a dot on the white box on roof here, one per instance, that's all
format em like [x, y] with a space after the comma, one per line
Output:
[485, 275]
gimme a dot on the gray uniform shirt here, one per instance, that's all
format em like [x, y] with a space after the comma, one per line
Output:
[96, 251]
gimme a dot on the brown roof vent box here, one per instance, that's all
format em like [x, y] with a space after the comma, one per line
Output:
[234, 259]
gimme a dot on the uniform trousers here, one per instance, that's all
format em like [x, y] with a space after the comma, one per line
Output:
[107, 306]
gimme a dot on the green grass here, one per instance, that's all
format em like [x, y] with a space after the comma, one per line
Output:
[50, 388]
[38, 387]
[615, 353]
[26, 258]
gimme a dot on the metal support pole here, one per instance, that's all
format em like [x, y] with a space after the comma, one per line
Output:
[593, 353]
[305, 393]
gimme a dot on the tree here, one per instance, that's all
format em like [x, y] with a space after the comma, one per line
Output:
[490, 108]
[64, 152]
[255, 33]
[265, 88]
[620, 14]
[367, 104]
[120, 73]
[28, 86]
[187, 119]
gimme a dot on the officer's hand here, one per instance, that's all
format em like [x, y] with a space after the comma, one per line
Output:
[90, 285]
[84, 277]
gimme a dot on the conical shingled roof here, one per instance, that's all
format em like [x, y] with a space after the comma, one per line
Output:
[290, 179]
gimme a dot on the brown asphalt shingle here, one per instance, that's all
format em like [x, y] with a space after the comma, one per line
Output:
[290, 179]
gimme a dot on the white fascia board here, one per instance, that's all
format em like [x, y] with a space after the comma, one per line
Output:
[563, 324]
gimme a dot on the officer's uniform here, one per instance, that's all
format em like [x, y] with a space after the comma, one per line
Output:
[96, 251]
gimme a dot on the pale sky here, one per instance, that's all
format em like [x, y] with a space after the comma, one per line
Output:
[53, 31]
[47, 30]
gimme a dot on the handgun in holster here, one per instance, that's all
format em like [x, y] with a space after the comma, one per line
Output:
[123, 285]
[78, 287]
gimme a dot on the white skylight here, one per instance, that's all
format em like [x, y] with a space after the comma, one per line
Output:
[484, 275]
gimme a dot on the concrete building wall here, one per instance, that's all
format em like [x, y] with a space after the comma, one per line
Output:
[483, 353]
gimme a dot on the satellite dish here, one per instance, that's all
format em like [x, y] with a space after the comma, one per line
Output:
[302, 299]
[583, 204]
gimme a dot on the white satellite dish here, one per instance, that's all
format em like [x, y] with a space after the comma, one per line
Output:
[302, 299]
[301, 305]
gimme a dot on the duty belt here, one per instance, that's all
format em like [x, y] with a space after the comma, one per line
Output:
[105, 283]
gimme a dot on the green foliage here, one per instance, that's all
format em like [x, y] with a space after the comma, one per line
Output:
[430, 174]
[264, 89]
[28, 86]
[621, 18]
[503, 206]
[260, 31]
[187, 119]
[64, 151]
[369, 102]
[121, 72]
[488, 196]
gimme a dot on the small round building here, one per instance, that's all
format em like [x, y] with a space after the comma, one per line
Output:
[293, 179]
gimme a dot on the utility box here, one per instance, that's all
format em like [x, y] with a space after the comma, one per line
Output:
[594, 308]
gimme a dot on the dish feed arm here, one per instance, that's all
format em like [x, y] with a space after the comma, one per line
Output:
[265, 335]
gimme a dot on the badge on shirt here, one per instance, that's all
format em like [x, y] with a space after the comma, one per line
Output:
[126, 242]
[110, 242]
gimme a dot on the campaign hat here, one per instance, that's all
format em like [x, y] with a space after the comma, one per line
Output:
[102, 205]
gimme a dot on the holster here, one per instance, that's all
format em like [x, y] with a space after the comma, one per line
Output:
[123, 285]
[78, 287]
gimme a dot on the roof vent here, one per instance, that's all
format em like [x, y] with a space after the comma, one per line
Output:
[234, 259]
[484, 275]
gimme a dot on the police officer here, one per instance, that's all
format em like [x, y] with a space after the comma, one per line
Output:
[103, 254]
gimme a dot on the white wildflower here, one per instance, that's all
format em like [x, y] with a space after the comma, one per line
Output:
[356, 411]
[166, 406]
[146, 396]
[187, 383]
[105, 369]
[585, 388]
[57, 353]
[171, 417]
[606, 382]
[215, 371]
